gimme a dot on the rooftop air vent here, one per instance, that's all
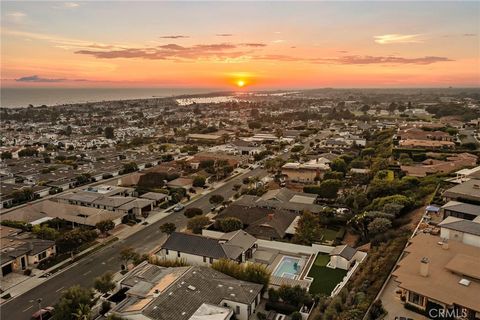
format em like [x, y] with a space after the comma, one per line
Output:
[191, 288]
[464, 282]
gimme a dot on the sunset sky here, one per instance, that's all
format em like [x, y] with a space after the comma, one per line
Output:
[217, 44]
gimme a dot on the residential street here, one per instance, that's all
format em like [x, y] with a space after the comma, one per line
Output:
[84, 271]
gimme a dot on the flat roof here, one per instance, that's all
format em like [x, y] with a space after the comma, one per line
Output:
[441, 284]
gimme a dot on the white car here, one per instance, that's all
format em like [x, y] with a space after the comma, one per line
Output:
[285, 150]
[178, 207]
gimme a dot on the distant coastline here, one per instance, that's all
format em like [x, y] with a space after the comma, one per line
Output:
[23, 97]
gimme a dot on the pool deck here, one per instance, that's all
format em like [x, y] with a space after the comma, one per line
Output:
[301, 281]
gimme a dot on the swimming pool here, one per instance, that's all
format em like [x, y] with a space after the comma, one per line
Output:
[288, 267]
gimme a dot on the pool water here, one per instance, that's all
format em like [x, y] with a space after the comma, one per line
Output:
[288, 267]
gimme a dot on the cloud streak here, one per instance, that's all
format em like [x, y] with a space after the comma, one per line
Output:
[398, 38]
[174, 37]
[36, 78]
[173, 52]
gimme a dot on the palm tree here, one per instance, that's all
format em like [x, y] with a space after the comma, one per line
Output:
[84, 312]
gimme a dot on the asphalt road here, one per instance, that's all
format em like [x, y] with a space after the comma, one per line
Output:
[86, 270]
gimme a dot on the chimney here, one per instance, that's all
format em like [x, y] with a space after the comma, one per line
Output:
[270, 216]
[424, 266]
[445, 244]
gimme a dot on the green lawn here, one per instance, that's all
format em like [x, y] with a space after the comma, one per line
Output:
[325, 279]
[329, 234]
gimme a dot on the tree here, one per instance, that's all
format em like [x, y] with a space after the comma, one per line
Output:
[168, 228]
[6, 155]
[129, 167]
[71, 240]
[339, 165]
[295, 296]
[379, 225]
[83, 312]
[216, 199]
[71, 301]
[196, 224]
[229, 224]
[109, 133]
[365, 108]
[127, 255]
[296, 316]
[192, 212]
[45, 232]
[104, 283]
[105, 226]
[307, 228]
[145, 214]
[198, 181]
[68, 130]
[329, 188]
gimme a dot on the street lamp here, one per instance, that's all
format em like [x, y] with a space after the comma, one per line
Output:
[39, 301]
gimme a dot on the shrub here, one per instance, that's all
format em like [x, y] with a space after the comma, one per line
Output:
[199, 181]
[280, 307]
[296, 316]
[252, 272]
[196, 224]
[192, 212]
[168, 263]
[229, 224]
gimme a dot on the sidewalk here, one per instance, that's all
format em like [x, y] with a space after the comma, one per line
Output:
[36, 279]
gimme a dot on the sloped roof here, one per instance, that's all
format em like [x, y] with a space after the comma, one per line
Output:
[344, 251]
[457, 224]
[462, 207]
[230, 246]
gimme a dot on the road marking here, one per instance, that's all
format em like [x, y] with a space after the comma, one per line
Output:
[28, 308]
[59, 289]
[87, 272]
[110, 259]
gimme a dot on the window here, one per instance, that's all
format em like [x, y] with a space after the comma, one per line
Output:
[204, 259]
[237, 309]
[166, 252]
[415, 298]
[42, 255]
[178, 254]
[211, 260]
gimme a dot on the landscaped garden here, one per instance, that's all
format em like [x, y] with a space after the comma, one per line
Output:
[325, 279]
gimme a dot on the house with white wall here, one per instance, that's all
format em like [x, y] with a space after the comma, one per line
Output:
[201, 250]
[344, 257]
[462, 230]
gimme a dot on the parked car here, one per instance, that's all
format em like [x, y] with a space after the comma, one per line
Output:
[178, 207]
[44, 314]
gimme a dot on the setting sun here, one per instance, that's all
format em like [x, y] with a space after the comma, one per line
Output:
[240, 83]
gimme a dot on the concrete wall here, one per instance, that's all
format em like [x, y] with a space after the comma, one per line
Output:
[243, 315]
[339, 262]
[466, 238]
[290, 247]
[472, 240]
[190, 258]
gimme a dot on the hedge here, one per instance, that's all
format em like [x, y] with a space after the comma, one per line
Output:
[280, 307]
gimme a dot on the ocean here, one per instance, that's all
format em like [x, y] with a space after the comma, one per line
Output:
[23, 97]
